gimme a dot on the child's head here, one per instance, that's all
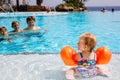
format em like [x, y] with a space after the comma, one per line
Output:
[3, 31]
[15, 25]
[87, 42]
[30, 20]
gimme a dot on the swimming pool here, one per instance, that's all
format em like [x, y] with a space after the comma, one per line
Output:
[63, 29]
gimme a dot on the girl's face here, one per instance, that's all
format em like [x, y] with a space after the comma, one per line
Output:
[82, 46]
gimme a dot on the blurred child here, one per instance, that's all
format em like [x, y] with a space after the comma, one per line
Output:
[31, 25]
[31, 21]
[86, 58]
[16, 27]
[4, 34]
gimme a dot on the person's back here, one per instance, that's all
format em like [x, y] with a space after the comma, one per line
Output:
[86, 58]
[86, 67]
[103, 10]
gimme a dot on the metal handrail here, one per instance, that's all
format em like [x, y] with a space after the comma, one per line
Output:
[11, 7]
[2, 9]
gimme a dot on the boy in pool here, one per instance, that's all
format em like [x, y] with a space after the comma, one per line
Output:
[3, 32]
[4, 35]
[31, 21]
[86, 58]
[16, 27]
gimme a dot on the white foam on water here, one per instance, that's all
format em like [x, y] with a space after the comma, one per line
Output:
[16, 14]
[45, 67]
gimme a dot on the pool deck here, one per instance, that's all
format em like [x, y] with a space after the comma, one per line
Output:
[35, 66]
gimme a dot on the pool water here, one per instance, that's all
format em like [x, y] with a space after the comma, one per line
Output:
[63, 29]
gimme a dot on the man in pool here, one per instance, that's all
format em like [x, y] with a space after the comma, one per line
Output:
[30, 21]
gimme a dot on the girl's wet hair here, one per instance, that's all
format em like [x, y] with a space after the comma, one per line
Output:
[30, 18]
[89, 40]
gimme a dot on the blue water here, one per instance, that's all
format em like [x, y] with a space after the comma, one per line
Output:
[63, 29]
[108, 8]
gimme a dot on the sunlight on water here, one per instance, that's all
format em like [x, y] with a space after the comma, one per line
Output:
[63, 29]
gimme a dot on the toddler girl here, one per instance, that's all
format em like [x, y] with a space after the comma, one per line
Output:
[86, 58]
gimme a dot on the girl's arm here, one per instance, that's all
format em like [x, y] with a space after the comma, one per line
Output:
[102, 70]
[77, 57]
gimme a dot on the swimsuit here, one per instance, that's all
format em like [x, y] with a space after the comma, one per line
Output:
[87, 67]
